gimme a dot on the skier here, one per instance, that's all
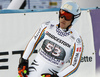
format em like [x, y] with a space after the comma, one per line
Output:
[60, 43]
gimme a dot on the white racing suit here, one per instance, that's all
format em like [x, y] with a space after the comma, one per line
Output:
[57, 48]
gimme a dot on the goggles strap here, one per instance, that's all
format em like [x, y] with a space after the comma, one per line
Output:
[76, 16]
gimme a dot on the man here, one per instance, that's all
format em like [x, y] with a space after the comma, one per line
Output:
[60, 43]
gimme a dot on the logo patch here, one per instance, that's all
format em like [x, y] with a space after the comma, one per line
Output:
[69, 7]
[63, 33]
[78, 40]
[58, 40]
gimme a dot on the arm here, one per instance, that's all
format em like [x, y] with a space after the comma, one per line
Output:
[23, 62]
[75, 59]
[38, 36]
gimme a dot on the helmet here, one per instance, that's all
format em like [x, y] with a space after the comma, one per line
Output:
[73, 8]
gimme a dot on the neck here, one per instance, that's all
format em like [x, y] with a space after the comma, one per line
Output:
[66, 28]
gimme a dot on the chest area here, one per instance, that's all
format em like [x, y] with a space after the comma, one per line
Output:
[57, 45]
[64, 39]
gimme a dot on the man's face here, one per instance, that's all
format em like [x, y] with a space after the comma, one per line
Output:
[65, 19]
[64, 23]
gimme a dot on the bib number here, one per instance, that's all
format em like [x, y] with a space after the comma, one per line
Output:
[53, 49]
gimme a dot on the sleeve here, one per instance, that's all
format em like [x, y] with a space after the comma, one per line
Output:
[37, 37]
[75, 59]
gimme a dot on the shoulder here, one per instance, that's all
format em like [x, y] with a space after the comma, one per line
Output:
[77, 37]
[50, 23]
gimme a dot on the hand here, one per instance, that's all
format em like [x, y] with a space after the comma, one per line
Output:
[49, 75]
[23, 67]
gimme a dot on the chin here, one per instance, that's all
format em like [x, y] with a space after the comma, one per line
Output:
[62, 26]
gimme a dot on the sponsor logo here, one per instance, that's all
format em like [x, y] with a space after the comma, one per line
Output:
[51, 25]
[41, 7]
[53, 3]
[67, 6]
[72, 37]
[50, 58]
[77, 10]
[78, 40]
[75, 59]
[47, 23]
[37, 33]
[84, 59]
[79, 49]
[63, 33]
[58, 40]
[5, 58]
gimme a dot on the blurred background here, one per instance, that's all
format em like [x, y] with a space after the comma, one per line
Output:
[18, 26]
[47, 4]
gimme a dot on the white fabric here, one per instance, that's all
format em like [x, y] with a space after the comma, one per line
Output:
[55, 51]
